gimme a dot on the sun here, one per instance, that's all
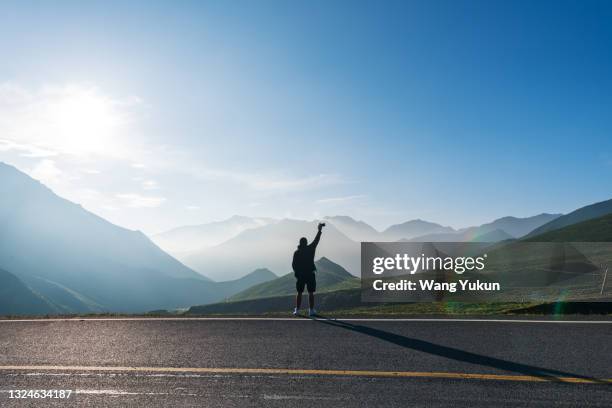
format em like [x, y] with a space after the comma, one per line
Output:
[83, 121]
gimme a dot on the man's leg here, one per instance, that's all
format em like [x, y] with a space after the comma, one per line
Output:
[312, 287]
[299, 288]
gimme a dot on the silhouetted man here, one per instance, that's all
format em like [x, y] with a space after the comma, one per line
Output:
[304, 271]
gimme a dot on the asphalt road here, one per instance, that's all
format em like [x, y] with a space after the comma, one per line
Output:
[300, 362]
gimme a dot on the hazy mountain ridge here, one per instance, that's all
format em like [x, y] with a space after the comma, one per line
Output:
[581, 214]
[414, 228]
[82, 263]
[473, 235]
[358, 231]
[195, 237]
[272, 246]
[592, 230]
[514, 226]
[36, 219]
[497, 230]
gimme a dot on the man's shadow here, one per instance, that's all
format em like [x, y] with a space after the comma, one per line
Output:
[456, 354]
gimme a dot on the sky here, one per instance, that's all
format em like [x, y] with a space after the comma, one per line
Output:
[157, 114]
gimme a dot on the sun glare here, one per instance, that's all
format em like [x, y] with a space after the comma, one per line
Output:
[83, 122]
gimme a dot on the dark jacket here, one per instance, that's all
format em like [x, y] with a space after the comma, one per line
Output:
[303, 259]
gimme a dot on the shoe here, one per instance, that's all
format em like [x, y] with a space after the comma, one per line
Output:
[312, 313]
[296, 311]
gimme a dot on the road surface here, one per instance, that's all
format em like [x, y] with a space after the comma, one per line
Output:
[301, 362]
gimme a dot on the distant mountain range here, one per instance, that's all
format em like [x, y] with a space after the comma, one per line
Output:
[195, 237]
[413, 229]
[272, 246]
[361, 232]
[513, 226]
[498, 230]
[79, 262]
[419, 230]
[330, 276]
[342, 293]
[358, 231]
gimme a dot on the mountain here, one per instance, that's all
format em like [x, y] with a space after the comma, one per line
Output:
[358, 231]
[472, 234]
[496, 235]
[515, 227]
[419, 230]
[593, 230]
[330, 276]
[18, 299]
[257, 277]
[582, 214]
[65, 251]
[500, 229]
[194, 237]
[272, 246]
[64, 299]
[412, 229]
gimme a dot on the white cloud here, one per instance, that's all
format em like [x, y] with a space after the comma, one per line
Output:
[134, 200]
[270, 183]
[166, 159]
[267, 182]
[192, 207]
[91, 171]
[150, 185]
[25, 150]
[340, 199]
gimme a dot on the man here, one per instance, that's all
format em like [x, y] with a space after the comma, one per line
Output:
[304, 271]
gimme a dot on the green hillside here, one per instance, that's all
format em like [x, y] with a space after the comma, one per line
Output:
[340, 299]
[255, 278]
[348, 302]
[586, 213]
[594, 230]
[330, 277]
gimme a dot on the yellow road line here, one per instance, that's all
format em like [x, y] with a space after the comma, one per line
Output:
[292, 371]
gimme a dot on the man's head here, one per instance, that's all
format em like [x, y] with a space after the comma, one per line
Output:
[303, 242]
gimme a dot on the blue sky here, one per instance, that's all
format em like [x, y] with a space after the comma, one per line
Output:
[156, 114]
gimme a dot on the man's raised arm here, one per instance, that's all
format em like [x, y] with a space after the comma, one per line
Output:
[318, 237]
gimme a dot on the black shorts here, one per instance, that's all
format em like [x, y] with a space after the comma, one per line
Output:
[309, 281]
